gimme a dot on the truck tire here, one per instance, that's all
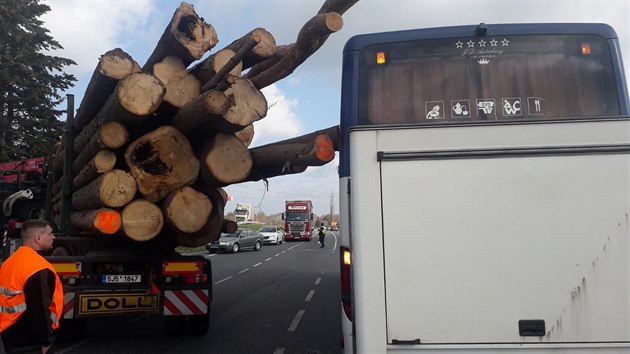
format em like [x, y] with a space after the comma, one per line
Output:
[175, 325]
[186, 325]
[235, 248]
[257, 246]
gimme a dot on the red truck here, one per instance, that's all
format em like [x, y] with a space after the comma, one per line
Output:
[298, 220]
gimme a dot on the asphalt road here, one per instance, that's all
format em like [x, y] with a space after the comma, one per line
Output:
[282, 299]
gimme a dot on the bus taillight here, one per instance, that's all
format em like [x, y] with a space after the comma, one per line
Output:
[346, 285]
[380, 58]
[585, 48]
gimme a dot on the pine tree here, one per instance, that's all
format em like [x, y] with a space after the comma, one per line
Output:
[30, 82]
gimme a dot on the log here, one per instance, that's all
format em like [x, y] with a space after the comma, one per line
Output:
[294, 155]
[104, 221]
[229, 226]
[110, 135]
[265, 47]
[281, 52]
[142, 220]
[310, 38]
[57, 162]
[113, 189]
[338, 6]
[209, 67]
[103, 161]
[187, 36]
[245, 105]
[208, 106]
[246, 135]
[212, 229]
[224, 160]
[112, 66]
[181, 86]
[186, 210]
[137, 96]
[161, 161]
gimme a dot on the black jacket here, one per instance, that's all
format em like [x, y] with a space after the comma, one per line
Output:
[34, 327]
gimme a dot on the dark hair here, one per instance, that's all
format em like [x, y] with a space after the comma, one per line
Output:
[33, 224]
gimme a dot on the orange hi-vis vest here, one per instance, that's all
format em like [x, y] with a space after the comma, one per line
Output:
[14, 273]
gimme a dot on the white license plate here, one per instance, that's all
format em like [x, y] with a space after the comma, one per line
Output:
[122, 278]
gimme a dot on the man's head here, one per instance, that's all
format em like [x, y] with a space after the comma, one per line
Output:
[37, 234]
[322, 224]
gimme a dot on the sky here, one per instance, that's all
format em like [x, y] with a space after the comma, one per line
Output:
[309, 99]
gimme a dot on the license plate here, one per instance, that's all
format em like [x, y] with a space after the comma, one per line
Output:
[122, 278]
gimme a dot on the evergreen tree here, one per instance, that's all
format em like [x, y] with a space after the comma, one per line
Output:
[30, 82]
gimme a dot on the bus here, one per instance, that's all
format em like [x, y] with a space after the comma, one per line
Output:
[484, 182]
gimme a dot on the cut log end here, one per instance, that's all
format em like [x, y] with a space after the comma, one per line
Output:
[140, 93]
[113, 135]
[117, 65]
[117, 188]
[142, 220]
[192, 32]
[227, 161]
[187, 210]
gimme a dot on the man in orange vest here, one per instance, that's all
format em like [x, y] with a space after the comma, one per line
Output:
[31, 294]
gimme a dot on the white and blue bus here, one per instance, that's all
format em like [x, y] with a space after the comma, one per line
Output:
[485, 190]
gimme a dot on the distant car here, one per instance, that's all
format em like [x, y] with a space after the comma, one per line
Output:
[236, 241]
[272, 234]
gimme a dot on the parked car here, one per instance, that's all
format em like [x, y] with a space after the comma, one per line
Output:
[272, 234]
[236, 241]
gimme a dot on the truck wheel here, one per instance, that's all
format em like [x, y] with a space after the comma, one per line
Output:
[235, 248]
[257, 246]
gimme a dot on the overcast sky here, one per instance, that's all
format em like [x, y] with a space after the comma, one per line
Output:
[307, 100]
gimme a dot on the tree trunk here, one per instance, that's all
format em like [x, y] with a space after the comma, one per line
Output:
[224, 160]
[208, 106]
[137, 96]
[103, 161]
[229, 226]
[249, 105]
[111, 135]
[310, 38]
[211, 231]
[112, 67]
[265, 47]
[142, 220]
[338, 6]
[281, 52]
[181, 87]
[208, 68]
[161, 161]
[186, 210]
[246, 135]
[294, 155]
[103, 221]
[187, 36]
[113, 189]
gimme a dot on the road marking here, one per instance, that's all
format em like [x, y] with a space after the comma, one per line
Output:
[318, 280]
[296, 320]
[292, 247]
[277, 254]
[212, 255]
[222, 280]
[279, 351]
[309, 296]
[283, 252]
[243, 271]
[268, 259]
[335, 246]
[257, 264]
[74, 346]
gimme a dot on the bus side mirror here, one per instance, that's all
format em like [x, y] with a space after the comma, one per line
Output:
[282, 216]
[312, 217]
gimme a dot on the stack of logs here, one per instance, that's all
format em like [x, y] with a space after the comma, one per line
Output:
[153, 145]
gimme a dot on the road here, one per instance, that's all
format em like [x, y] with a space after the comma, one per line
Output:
[282, 299]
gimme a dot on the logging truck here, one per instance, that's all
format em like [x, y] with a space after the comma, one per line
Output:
[485, 175]
[298, 220]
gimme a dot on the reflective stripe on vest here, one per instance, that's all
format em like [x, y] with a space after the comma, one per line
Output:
[13, 275]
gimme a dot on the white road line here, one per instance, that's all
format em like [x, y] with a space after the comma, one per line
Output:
[268, 259]
[212, 255]
[278, 351]
[296, 321]
[335, 246]
[318, 280]
[277, 254]
[257, 264]
[309, 296]
[222, 280]
[283, 252]
[243, 271]
[292, 247]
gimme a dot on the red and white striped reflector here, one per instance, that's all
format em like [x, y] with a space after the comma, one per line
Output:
[68, 305]
[185, 302]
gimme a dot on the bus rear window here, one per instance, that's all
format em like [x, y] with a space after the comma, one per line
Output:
[487, 78]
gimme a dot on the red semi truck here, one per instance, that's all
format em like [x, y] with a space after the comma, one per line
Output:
[298, 220]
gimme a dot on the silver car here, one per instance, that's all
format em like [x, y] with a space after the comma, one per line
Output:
[236, 241]
[272, 234]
